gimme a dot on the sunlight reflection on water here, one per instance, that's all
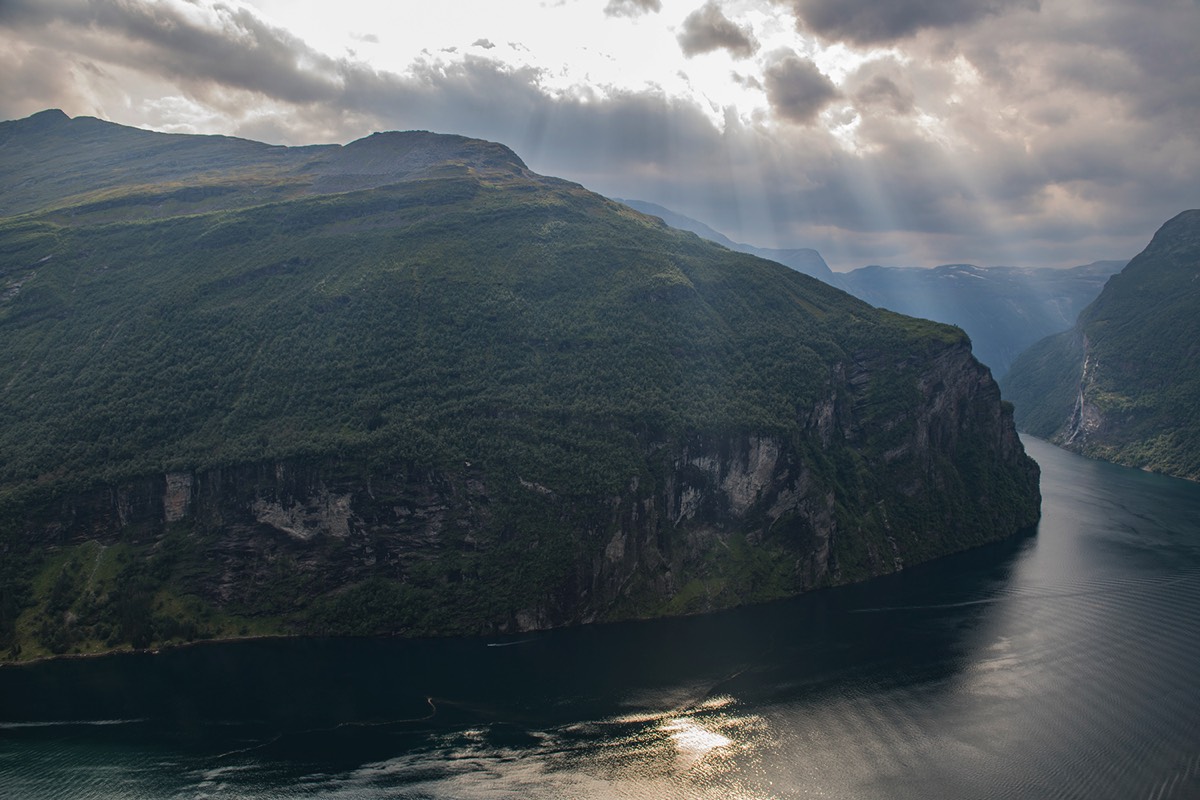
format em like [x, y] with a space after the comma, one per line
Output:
[692, 741]
[692, 753]
[660, 757]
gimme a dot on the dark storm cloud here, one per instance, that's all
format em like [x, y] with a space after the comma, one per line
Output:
[876, 21]
[632, 8]
[245, 52]
[707, 29]
[1144, 53]
[796, 89]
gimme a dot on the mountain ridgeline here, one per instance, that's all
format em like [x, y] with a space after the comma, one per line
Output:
[1124, 384]
[801, 259]
[1003, 309]
[407, 386]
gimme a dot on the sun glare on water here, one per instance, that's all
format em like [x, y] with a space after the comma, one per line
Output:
[693, 741]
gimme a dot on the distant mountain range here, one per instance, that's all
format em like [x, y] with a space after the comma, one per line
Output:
[1123, 384]
[1003, 309]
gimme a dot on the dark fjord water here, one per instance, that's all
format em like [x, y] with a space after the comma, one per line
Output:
[1064, 664]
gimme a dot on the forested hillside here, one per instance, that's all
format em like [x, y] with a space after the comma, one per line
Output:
[408, 386]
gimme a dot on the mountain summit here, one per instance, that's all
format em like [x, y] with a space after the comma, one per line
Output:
[409, 386]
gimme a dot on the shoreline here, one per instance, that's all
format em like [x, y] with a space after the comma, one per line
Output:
[1016, 536]
[132, 651]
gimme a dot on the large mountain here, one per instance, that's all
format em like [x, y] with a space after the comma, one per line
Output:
[409, 386]
[1124, 383]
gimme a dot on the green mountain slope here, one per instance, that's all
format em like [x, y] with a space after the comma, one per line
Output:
[1124, 384]
[408, 386]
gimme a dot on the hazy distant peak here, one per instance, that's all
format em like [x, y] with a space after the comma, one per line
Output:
[1002, 309]
[958, 268]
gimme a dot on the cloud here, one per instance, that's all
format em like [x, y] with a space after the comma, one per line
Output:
[486, 44]
[632, 8]
[796, 89]
[883, 85]
[749, 81]
[873, 22]
[707, 29]
[881, 90]
[217, 45]
[29, 86]
[994, 142]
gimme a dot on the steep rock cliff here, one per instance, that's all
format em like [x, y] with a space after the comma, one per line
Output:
[354, 546]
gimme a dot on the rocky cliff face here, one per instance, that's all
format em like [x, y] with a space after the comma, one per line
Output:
[711, 523]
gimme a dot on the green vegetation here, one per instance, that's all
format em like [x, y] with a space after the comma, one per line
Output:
[1134, 356]
[368, 320]
[449, 316]
[92, 598]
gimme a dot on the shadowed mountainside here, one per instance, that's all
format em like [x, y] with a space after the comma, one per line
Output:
[409, 386]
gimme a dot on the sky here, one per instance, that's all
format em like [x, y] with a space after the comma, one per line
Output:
[895, 132]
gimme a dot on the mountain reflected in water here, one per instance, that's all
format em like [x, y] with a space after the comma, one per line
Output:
[1061, 664]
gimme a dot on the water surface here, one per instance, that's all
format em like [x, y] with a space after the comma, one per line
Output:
[1061, 664]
